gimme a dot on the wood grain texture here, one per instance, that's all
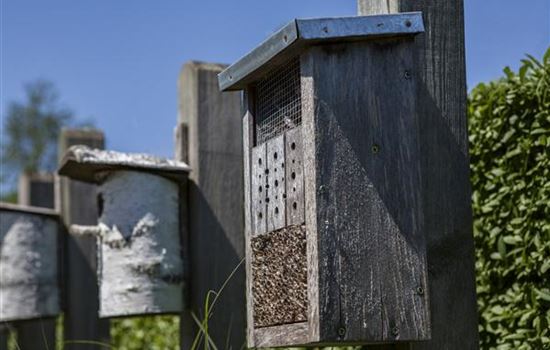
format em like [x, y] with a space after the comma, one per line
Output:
[371, 249]
[258, 189]
[294, 169]
[283, 335]
[276, 204]
[79, 206]
[445, 166]
[216, 241]
[310, 195]
[36, 190]
[248, 140]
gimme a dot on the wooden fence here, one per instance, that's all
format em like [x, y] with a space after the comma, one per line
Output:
[208, 136]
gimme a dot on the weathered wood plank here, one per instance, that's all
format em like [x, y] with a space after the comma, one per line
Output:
[259, 189]
[276, 204]
[283, 335]
[78, 206]
[446, 187]
[294, 177]
[247, 109]
[216, 241]
[371, 247]
[36, 190]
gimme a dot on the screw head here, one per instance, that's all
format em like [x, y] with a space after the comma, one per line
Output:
[395, 331]
[341, 331]
[375, 148]
[420, 290]
[408, 23]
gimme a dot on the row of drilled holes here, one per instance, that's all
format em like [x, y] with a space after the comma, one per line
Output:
[293, 175]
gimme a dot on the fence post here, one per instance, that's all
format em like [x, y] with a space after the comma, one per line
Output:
[78, 206]
[36, 190]
[208, 137]
[3, 337]
[446, 187]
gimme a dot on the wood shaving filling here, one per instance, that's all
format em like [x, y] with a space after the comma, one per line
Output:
[279, 277]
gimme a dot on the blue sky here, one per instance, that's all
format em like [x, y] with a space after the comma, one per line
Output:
[117, 61]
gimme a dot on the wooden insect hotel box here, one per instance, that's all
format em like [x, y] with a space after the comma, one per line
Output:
[29, 279]
[140, 267]
[335, 248]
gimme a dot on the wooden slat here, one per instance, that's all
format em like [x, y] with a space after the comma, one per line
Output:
[259, 189]
[446, 187]
[216, 240]
[369, 208]
[78, 206]
[248, 138]
[294, 177]
[283, 335]
[275, 172]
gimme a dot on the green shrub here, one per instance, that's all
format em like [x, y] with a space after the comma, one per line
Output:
[509, 123]
[151, 333]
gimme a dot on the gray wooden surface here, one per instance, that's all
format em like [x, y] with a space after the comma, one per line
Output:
[79, 206]
[294, 177]
[216, 240]
[446, 186]
[3, 338]
[276, 204]
[259, 189]
[370, 237]
[248, 141]
[36, 190]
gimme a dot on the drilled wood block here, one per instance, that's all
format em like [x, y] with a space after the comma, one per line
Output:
[258, 190]
[294, 177]
[279, 273]
[276, 204]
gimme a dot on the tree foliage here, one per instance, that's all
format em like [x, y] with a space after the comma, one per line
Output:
[31, 128]
[510, 162]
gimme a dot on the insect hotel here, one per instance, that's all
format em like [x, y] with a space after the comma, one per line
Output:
[29, 282]
[140, 268]
[335, 248]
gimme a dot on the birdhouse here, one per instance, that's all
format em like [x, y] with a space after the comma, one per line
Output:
[140, 267]
[29, 283]
[335, 248]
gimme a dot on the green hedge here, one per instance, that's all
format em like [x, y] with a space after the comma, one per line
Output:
[509, 123]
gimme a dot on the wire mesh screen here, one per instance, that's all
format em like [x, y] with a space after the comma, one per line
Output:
[278, 101]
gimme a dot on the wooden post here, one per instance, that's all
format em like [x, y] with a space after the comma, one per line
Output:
[78, 206]
[4, 332]
[209, 138]
[445, 166]
[36, 190]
